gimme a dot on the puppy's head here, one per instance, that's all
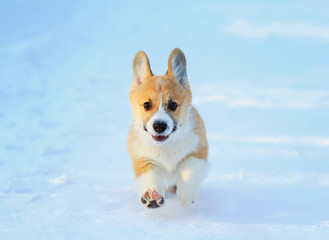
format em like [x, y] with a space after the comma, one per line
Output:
[160, 103]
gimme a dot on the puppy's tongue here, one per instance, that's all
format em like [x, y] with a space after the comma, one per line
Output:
[160, 138]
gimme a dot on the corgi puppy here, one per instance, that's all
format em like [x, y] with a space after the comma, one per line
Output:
[167, 140]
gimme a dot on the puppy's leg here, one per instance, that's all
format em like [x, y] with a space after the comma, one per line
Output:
[150, 186]
[191, 173]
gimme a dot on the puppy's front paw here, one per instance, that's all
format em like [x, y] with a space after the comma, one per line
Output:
[186, 197]
[152, 199]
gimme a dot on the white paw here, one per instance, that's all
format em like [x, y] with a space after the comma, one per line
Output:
[186, 196]
[151, 189]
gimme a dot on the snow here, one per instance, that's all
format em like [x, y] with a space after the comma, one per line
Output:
[65, 74]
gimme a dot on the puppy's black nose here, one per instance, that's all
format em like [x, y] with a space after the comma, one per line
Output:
[159, 126]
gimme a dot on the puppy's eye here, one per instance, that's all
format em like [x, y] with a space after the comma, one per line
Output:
[147, 106]
[172, 106]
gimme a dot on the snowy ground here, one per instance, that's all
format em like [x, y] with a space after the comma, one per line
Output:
[65, 74]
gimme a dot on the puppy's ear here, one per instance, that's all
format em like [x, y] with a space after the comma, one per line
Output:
[177, 67]
[141, 68]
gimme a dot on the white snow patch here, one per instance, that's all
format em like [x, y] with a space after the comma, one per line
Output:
[263, 98]
[303, 140]
[279, 29]
[63, 179]
[315, 179]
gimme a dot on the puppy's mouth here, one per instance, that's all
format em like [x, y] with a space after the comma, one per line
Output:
[160, 138]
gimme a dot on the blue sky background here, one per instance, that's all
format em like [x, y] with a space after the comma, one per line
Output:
[259, 73]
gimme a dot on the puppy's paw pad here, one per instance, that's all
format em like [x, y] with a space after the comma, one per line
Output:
[152, 199]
